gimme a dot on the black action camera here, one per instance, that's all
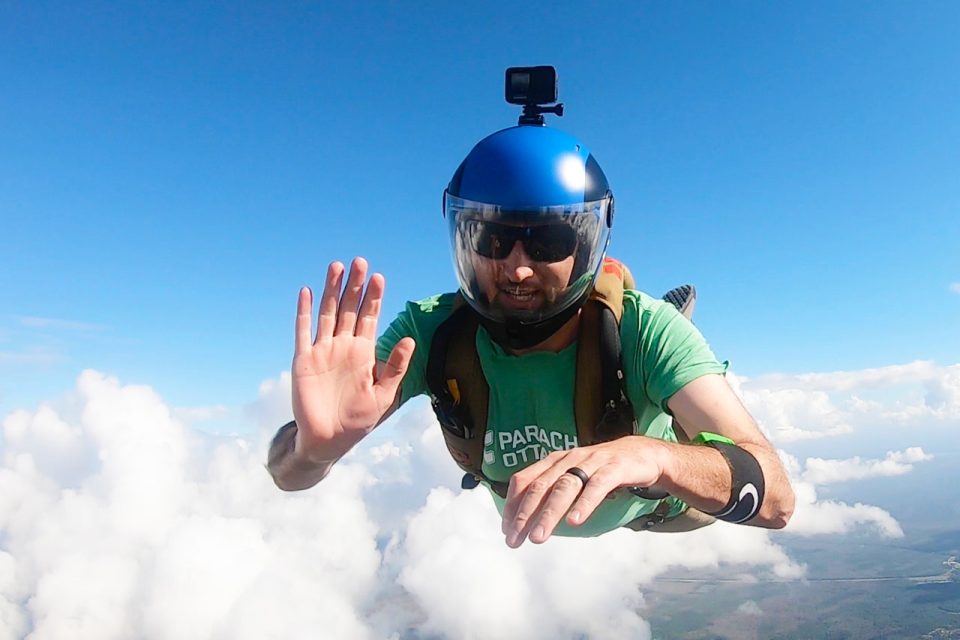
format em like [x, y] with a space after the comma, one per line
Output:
[532, 87]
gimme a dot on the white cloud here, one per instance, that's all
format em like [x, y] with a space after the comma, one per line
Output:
[119, 521]
[57, 324]
[166, 538]
[954, 287]
[32, 356]
[13, 620]
[750, 608]
[830, 517]
[195, 415]
[815, 517]
[790, 408]
[819, 471]
[942, 397]
[911, 373]
[788, 415]
[534, 590]
[272, 406]
[59, 450]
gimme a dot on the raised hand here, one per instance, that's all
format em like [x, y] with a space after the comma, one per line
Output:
[338, 396]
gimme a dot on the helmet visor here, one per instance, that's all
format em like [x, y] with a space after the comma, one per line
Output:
[526, 265]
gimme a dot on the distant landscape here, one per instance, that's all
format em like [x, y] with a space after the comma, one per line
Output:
[857, 586]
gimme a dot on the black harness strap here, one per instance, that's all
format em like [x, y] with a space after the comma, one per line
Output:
[618, 419]
[459, 390]
[603, 413]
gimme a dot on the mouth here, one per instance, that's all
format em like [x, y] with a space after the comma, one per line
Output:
[519, 297]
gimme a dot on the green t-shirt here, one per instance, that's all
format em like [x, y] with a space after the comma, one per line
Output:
[531, 410]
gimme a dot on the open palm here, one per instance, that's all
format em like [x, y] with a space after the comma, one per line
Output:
[338, 396]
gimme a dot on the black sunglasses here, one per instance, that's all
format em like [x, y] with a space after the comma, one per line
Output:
[543, 243]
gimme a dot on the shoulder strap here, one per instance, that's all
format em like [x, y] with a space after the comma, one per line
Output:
[459, 391]
[603, 411]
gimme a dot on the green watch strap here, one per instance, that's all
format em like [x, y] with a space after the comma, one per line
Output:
[705, 437]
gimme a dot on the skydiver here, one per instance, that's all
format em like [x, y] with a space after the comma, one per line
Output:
[529, 214]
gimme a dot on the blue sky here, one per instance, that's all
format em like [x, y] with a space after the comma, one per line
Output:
[171, 175]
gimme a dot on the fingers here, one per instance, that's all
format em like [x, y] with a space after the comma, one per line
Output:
[344, 313]
[329, 301]
[350, 300]
[393, 371]
[543, 507]
[534, 508]
[519, 487]
[556, 505]
[304, 319]
[544, 493]
[602, 483]
[370, 308]
[521, 508]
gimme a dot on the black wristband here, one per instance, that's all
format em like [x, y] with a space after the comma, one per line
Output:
[746, 486]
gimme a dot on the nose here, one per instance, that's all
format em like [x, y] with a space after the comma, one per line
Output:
[518, 265]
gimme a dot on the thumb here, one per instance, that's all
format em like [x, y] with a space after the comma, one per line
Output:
[393, 371]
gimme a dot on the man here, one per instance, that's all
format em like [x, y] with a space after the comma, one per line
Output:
[529, 213]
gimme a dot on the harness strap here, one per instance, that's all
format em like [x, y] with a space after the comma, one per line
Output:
[687, 520]
[653, 519]
[602, 414]
[460, 393]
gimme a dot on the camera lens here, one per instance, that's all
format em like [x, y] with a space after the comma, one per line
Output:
[520, 85]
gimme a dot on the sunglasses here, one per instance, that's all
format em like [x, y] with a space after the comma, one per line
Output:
[543, 243]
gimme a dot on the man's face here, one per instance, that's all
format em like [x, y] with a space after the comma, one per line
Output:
[522, 269]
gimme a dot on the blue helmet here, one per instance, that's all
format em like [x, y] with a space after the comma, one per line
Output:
[541, 187]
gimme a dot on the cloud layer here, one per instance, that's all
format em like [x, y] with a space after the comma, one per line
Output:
[117, 520]
[819, 471]
[791, 408]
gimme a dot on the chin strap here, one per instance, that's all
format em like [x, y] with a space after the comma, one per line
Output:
[514, 334]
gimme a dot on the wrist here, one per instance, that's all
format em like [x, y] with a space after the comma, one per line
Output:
[667, 461]
[306, 455]
[659, 453]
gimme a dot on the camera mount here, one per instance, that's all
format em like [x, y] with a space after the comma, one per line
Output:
[533, 113]
[533, 88]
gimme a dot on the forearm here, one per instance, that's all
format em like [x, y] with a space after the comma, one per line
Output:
[700, 476]
[292, 471]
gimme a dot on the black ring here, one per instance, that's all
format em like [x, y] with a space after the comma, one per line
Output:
[580, 473]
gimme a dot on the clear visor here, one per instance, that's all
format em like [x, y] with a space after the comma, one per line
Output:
[526, 265]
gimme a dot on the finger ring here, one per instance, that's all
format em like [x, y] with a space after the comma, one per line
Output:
[580, 473]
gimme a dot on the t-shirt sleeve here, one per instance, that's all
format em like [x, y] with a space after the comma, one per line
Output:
[671, 351]
[418, 320]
